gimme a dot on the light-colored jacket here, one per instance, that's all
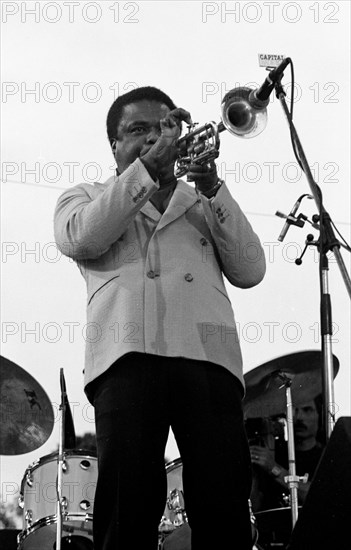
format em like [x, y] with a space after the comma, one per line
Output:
[155, 281]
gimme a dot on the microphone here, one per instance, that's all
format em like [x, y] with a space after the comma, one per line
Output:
[260, 98]
[244, 112]
[289, 219]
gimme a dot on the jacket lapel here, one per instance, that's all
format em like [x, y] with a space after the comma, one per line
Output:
[183, 198]
[150, 211]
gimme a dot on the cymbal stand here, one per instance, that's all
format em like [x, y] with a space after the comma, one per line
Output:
[292, 479]
[60, 466]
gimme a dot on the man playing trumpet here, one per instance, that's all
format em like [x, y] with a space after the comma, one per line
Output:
[163, 349]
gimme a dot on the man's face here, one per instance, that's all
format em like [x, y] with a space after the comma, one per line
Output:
[138, 130]
[306, 420]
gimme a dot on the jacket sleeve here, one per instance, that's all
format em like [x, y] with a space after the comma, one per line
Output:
[240, 252]
[86, 225]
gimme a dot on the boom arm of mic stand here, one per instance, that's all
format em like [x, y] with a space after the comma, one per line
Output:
[325, 218]
[331, 244]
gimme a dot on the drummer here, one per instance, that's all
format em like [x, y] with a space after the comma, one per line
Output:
[270, 466]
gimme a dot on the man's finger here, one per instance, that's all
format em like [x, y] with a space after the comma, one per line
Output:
[202, 168]
[180, 114]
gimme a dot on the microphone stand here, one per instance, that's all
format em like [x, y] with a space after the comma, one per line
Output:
[328, 241]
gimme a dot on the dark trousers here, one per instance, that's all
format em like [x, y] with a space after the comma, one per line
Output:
[135, 402]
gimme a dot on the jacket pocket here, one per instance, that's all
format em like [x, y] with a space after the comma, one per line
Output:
[99, 288]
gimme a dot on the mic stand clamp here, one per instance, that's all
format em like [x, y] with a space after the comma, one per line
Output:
[309, 242]
[293, 481]
[291, 220]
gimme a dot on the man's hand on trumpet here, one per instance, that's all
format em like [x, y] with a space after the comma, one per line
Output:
[160, 149]
[205, 178]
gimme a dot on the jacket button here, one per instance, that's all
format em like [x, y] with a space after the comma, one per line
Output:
[188, 277]
[150, 274]
[203, 241]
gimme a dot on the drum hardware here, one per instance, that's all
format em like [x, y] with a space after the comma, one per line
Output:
[85, 464]
[254, 530]
[285, 500]
[292, 479]
[174, 504]
[28, 516]
[66, 436]
[29, 479]
[60, 505]
[174, 515]
[84, 504]
[64, 505]
[21, 501]
[32, 465]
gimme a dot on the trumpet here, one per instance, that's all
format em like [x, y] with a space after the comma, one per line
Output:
[243, 115]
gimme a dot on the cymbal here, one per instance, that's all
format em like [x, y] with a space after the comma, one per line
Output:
[265, 395]
[26, 413]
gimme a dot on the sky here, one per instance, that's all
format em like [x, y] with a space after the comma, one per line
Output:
[64, 63]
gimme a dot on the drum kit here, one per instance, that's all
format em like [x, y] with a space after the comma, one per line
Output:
[58, 490]
[27, 421]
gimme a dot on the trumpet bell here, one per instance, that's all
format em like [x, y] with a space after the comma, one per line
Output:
[241, 115]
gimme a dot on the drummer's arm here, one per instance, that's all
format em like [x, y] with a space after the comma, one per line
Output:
[264, 458]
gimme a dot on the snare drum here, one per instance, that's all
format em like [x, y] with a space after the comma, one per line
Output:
[39, 502]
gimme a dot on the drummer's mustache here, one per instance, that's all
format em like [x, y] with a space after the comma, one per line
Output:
[299, 425]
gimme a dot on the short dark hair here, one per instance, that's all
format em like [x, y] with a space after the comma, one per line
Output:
[138, 94]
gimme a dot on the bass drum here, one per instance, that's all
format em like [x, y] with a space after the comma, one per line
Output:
[39, 502]
[174, 530]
